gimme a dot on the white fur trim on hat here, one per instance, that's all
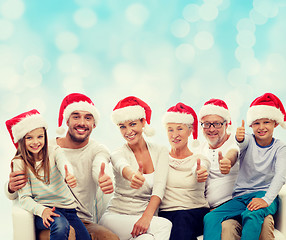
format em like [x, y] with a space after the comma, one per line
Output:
[81, 106]
[61, 130]
[148, 130]
[195, 143]
[129, 113]
[26, 125]
[264, 111]
[211, 109]
[176, 117]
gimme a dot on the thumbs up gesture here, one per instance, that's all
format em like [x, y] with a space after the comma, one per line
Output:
[70, 179]
[201, 171]
[137, 180]
[105, 182]
[224, 164]
[240, 132]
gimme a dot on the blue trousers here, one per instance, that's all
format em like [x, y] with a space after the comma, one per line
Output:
[59, 229]
[187, 224]
[237, 207]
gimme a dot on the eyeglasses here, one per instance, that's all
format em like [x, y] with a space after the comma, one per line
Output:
[216, 125]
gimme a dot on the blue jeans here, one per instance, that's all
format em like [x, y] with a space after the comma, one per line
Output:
[59, 229]
[187, 224]
[237, 207]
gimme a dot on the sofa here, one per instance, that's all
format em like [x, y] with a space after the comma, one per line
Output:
[23, 221]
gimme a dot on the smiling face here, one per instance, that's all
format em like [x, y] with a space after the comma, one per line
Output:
[35, 141]
[178, 135]
[215, 136]
[81, 124]
[132, 130]
[263, 130]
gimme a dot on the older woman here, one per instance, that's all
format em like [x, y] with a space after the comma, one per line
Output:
[140, 170]
[184, 203]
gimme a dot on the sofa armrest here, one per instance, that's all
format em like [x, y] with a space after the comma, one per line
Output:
[23, 223]
[281, 221]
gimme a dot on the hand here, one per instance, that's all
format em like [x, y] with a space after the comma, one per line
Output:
[224, 164]
[137, 180]
[104, 181]
[70, 179]
[141, 226]
[240, 132]
[201, 171]
[17, 180]
[47, 216]
[257, 203]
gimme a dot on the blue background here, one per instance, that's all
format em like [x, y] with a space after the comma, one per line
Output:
[161, 51]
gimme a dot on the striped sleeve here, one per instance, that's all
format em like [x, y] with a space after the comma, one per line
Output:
[25, 195]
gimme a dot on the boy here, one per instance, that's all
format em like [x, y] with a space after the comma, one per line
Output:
[262, 171]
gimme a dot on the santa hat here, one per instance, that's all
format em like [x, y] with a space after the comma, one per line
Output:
[75, 102]
[267, 106]
[20, 125]
[181, 113]
[132, 108]
[216, 107]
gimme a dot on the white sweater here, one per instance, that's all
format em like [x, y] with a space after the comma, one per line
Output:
[183, 192]
[127, 200]
[86, 162]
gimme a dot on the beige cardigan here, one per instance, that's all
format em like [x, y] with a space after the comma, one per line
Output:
[183, 192]
[127, 200]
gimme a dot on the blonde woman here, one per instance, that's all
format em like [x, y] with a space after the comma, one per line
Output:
[184, 202]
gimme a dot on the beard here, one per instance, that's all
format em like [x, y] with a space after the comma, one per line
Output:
[213, 143]
[78, 139]
[217, 142]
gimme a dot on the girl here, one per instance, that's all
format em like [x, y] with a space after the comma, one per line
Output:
[140, 170]
[184, 202]
[45, 194]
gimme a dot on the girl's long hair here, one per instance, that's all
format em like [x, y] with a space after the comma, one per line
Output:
[29, 161]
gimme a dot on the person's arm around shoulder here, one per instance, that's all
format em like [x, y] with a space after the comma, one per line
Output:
[17, 180]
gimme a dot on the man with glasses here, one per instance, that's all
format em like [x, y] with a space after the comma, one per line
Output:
[222, 151]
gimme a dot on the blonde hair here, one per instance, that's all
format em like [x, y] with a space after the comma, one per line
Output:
[29, 161]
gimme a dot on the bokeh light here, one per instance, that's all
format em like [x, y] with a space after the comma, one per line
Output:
[180, 28]
[85, 18]
[187, 51]
[137, 14]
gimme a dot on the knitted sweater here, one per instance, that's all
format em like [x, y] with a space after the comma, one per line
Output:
[86, 162]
